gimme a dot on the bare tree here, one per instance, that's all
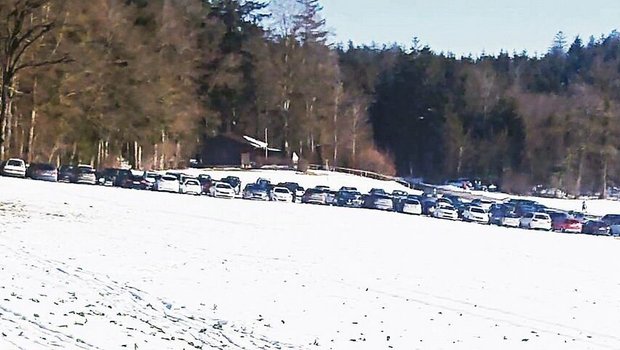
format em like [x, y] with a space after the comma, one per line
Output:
[20, 31]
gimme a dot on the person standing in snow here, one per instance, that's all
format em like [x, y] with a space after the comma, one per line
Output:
[584, 207]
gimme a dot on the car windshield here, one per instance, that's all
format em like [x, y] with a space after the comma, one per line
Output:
[541, 217]
[412, 201]
[192, 182]
[223, 185]
[477, 210]
[281, 190]
[168, 178]
[14, 162]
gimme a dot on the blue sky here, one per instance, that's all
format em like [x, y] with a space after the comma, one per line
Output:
[470, 26]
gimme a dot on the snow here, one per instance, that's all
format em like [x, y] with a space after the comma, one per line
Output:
[106, 268]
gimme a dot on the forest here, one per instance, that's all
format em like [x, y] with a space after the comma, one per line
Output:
[146, 81]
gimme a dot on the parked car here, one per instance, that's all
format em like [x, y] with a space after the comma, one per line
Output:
[107, 176]
[349, 198]
[510, 219]
[411, 205]
[314, 196]
[85, 174]
[150, 178]
[14, 167]
[264, 183]
[255, 192]
[348, 188]
[569, 225]
[66, 173]
[536, 221]
[281, 194]
[234, 182]
[613, 220]
[295, 189]
[445, 211]
[428, 206]
[222, 190]
[596, 227]
[167, 183]
[474, 213]
[205, 182]
[42, 171]
[134, 179]
[191, 186]
[379, 201]
[398, 197]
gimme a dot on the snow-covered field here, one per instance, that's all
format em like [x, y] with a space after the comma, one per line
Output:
[105, 268]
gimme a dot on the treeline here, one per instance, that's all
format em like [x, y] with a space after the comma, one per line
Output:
[100, 81]
[146, 81]
[515, 119]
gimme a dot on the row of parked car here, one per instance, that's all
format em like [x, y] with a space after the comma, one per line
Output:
[517, 213]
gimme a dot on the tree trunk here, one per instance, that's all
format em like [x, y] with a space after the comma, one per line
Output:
[8, 128]
[336, 109]
[33, 122]
[577, 190]
[135, 155]
[604, 178]
[177, 154]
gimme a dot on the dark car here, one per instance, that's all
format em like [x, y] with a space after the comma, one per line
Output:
[348, 198]
[255, 192]
[264, 183]
[66, 173]
[123, 179]
[596, 227]
[613, 220]
[234, 182]
[428, 205]
[42, 171]
[107, 176]
[205, 182]
[128, 179]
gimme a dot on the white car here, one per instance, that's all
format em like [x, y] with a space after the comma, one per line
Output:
[85, 174]
[536, 221]
[412, 206]
[281, 194]
[167, 183]
[476, 214]
[222, 190]
[191, 186]
[510, 221]
[14, 167]
[445, 211]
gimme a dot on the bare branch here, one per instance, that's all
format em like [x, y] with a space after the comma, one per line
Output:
[61, 60]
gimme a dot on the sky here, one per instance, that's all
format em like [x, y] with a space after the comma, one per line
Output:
[470, 26]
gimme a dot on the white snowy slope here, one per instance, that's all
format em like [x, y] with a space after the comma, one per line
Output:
[84, 267]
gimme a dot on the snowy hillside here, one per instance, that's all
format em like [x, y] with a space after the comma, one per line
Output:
[84, 267]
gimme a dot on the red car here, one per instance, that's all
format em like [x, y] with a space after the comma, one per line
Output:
[567, 225]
